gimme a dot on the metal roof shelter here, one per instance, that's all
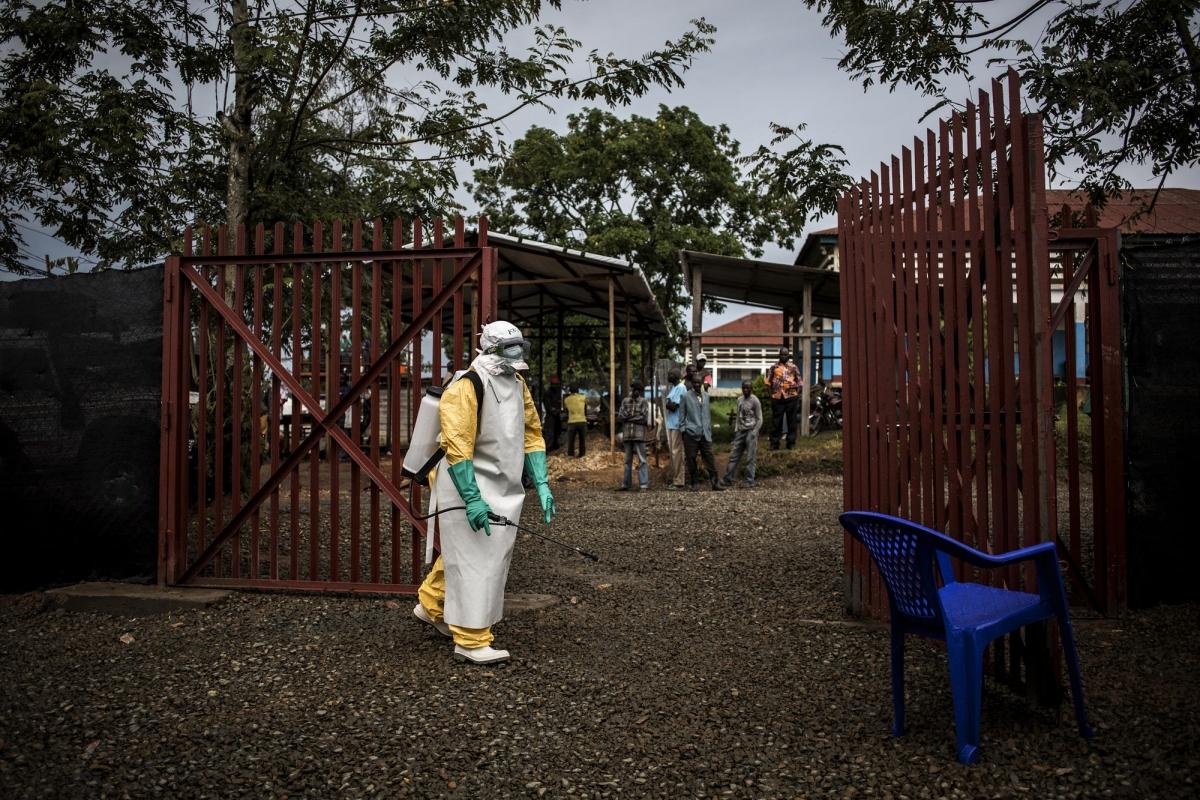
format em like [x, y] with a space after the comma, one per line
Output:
[538, 284]
[803, 293]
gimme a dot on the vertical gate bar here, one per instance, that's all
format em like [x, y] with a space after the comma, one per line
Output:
[356, 315]
[202, 416]
[975, 227]
[256, 436]
[858, 252]
[917, 236]
[993, 266]
[931, 335]
[182, 420]
[277, 245]
[887, 354]
[875, 374]
[1072, 380]
[295, 504]
[952, 209]
[1095, 370]
[918, 233]
[336, 295]
[884, 377]
[864, 427]
[376, 390]
[394, 389]
[1027, 324]
[184, 534]
[168, 417]
[219, 423]
[924, 158]
[414, 372]
[847, 238]
[1008, 324]
[487, 279]
[962, 406]
[875, 377]
[459, 241]
[937, 301]
[906, 260]
[436, 356]
[315, 355]
[1112, 426]
[235, 472]
[1043, 341]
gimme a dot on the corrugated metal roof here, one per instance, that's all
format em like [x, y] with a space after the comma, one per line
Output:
[762, 283]
[580, 284]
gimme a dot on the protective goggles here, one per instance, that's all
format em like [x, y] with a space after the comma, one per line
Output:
[513, 349]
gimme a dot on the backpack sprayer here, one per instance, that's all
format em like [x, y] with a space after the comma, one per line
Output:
[425, 451]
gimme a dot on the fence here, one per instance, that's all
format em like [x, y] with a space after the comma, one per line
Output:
[953, 288]
[351, 335]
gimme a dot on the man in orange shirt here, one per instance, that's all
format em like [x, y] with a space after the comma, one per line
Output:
[784, 380]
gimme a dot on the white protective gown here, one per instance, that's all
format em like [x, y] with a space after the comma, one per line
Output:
[476, 565]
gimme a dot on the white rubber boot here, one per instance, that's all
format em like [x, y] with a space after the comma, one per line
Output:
[420, 613]
[479, 655]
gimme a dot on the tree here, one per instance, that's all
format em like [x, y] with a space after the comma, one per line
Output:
[645, 188]
[338, 106]
[1117, 80]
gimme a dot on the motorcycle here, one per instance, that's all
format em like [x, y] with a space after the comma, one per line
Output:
[826, 411]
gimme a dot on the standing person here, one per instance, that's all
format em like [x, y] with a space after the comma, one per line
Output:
[487, 449]
[576, 405]
[552, 399]
[674, 436]
[695, 421]
[745, 437]
[634, 416]
[701, 371]
[784, 380]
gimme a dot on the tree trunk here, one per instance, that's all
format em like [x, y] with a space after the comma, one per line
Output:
[237, 124]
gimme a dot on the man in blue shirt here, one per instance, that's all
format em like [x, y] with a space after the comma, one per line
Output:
[695, 424]
[674, 437]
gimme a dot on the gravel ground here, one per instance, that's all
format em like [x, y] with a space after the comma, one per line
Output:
[707, 655]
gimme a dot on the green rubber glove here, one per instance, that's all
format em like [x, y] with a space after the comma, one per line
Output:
[462, 475]
[535, 465]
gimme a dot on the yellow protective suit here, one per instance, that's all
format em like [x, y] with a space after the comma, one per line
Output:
[478, 572]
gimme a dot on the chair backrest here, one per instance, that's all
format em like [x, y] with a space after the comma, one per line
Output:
[905, 559]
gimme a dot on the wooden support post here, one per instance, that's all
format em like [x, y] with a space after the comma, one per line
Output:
[612, 367]
[558, 349]
[697, 310]
[807, 344]
[541, 380]
[628, 349]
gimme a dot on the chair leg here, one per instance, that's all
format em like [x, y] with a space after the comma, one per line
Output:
[897, 681]
[966, 685]
[1068, 643]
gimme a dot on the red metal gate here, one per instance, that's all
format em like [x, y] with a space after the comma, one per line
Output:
[290, 376]
[953, 289]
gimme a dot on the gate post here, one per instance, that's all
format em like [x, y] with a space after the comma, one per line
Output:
[169, 421]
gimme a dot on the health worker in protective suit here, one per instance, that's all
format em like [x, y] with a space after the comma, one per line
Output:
[489, 438]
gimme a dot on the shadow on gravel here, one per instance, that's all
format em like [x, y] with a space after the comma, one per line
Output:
[706, 655]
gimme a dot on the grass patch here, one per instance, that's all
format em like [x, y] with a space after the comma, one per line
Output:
[816, 454]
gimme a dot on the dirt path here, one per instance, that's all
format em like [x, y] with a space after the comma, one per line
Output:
[707, 655]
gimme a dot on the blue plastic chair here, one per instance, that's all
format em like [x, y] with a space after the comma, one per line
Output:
[967, 616]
